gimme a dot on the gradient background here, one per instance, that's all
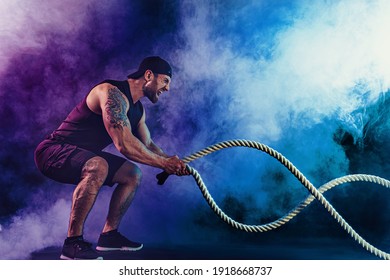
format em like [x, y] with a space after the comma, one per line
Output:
[308, 78]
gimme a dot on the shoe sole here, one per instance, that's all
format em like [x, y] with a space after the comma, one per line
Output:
[108, 249]
[63, 257]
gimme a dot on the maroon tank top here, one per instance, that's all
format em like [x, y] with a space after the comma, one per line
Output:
[85, 129]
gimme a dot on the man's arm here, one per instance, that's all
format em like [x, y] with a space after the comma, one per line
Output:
[143, 135]
[114, 107]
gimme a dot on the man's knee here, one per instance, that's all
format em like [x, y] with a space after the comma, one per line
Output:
[95, 170]
[129, 173]
[136, 173]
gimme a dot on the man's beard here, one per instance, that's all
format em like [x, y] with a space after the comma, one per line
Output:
[150, 94]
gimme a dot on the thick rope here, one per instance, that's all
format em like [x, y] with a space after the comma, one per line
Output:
[315, 193]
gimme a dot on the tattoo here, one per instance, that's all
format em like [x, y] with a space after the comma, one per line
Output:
[116, 109]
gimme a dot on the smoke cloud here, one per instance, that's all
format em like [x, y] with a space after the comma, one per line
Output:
[308, 79]
[312, 72]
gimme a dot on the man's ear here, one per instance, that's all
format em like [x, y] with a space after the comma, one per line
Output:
[148, 75]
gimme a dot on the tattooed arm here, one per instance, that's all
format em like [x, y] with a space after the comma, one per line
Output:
[113, 106]
[114, 112]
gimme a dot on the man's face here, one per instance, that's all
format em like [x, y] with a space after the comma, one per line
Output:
[156, 86]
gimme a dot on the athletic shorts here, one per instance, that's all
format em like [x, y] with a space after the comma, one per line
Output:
[63, 162]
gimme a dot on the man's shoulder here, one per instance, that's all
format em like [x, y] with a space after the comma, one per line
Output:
[102, 92]
[104, 88]
[105, 84]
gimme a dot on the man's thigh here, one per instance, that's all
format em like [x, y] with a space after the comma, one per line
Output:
[64, 162]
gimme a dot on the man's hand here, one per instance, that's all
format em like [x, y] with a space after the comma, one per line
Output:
[174, 165]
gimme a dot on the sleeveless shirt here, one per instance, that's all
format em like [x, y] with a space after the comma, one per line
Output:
[85, 129]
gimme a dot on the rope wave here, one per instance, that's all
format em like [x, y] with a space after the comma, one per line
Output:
[314, 192]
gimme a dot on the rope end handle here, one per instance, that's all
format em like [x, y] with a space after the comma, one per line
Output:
[162, 177]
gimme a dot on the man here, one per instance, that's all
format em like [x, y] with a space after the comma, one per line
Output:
[110, 113]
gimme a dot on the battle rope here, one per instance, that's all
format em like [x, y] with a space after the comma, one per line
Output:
[315, 193]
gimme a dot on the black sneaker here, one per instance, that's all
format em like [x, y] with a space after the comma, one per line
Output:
[79, 250]
[114, 241]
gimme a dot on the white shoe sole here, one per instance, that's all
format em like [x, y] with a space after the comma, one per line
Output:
[108, 249]
[63, 257]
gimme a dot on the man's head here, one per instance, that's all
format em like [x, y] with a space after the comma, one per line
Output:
[156, 73]
[153, 63]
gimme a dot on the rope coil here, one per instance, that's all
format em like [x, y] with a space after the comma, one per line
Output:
[314, 192]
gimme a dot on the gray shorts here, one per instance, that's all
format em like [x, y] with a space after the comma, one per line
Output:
[63, 162]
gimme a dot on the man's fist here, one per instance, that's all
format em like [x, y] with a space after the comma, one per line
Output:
[174, 165]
